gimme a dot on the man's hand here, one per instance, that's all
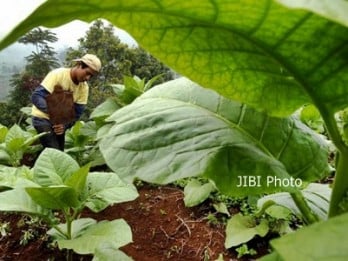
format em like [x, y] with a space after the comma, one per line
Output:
[58, 129]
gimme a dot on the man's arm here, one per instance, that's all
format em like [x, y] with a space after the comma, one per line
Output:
[79, 109]
[38, 98]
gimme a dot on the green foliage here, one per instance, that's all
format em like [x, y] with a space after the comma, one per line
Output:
[118, 60]
[271, 219]
[244, 250]
[43, 59]
[316, 195]
[241, 229]
[39, 63]
[332, 10]
[123, 94]
[15, 142]
[243, 59]
[4, 229]
[195, 192]
[81, 144]
[312, 118]
[132, 88]
[322, 241]
[196, 132]
[59, 184]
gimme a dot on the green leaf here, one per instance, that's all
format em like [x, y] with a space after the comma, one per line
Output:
[3, 133]
[179, 130]
[107, 252]
[78, 227]
[53, 167]
[77, 180]
[15, 144]
[105, 189]
[311, 117]
[133, 83]
[195, 192]
[59, 197]
[5, 157]
[116, 232]
[221, 208]
[321, 241]
[128, 92]
[150, 82]
[334, 10]
[269, 58]
[241, 229]
[274, 256]
[317, 196]
[17, 200]
[278, 212]
[15, 132]
[16, 177]
[105, 109]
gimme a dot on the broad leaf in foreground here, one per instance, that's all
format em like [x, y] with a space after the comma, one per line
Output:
[322, 241]
[316, 195]
[116, 231]
[257, 52]
[179, 129]
[105, 189]
[17, 200]
[53, 167]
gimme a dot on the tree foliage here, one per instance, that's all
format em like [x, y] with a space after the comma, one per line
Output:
[43, 59]
[39, 63]
[118, 59]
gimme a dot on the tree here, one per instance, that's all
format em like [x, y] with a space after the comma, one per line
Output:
[43, 59]
[117, 60]
[145, 66]
[39, 63]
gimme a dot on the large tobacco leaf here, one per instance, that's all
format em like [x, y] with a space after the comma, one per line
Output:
[322, 241]
[258, 52]
[334, 10]
[179, 129]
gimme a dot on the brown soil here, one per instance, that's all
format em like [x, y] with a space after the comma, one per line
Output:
[163, 229]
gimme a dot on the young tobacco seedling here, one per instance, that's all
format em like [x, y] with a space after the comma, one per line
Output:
[60, 184]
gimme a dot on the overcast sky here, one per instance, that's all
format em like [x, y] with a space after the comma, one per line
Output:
[15, 11]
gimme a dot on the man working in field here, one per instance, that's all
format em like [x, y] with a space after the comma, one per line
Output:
[60, 99]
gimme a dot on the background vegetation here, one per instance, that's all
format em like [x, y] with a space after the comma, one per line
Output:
[100, 40]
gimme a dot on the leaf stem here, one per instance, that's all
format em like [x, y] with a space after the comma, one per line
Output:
[340, 186]
[308, 215]
[333, 131]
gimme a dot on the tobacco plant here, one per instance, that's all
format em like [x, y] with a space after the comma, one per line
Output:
[273, 56]
[15, 142]
[59, 184]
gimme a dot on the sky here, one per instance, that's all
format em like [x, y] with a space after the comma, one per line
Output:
[14, 12]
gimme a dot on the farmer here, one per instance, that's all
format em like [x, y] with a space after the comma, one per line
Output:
[69, 82]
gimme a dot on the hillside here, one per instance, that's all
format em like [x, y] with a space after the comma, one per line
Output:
[11, 62]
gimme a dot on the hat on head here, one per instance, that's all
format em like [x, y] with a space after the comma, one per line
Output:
[91, 60]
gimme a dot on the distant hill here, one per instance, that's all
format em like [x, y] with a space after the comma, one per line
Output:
[12, 61]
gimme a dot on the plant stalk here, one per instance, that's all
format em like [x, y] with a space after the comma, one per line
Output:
[308, 216]
[340, 185]
[68, 220]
